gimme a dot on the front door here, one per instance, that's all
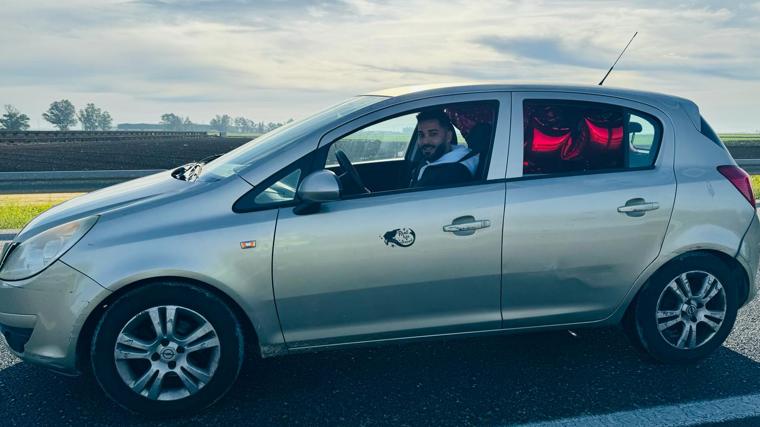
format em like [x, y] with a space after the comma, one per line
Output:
[383, 267]
[400, 263]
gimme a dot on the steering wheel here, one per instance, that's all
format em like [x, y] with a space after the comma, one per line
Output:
[350, 170]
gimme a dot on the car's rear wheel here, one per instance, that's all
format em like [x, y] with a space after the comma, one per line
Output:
[686, 310]
[167, 349]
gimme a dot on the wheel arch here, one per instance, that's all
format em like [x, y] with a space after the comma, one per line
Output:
[86, 334]
[739, 275]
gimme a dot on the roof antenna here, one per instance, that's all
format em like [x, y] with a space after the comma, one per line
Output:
[618, 59]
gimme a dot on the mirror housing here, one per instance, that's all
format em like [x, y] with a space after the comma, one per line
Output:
[317, 188]
[634, 127]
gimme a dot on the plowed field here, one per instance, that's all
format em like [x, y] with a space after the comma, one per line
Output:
[113, 155]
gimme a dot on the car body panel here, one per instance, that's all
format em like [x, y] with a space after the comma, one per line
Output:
[569, 255]
[701, 186]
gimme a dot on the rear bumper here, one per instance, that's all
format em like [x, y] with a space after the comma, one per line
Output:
[749, 256]
[41, 317]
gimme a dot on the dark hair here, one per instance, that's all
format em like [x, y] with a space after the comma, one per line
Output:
[442, 118]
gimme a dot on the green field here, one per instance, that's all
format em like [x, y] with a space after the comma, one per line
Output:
[740, 138]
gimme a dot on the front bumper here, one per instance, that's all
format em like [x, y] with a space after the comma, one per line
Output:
[41, 317]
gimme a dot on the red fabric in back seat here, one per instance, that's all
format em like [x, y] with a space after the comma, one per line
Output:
[543, 143]
[609, 138]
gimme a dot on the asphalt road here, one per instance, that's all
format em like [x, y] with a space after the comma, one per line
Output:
[493, 380]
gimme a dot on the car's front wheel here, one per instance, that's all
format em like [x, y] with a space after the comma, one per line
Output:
[686, 310]
[167, 349]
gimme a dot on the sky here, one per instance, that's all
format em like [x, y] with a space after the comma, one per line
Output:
[271, 60]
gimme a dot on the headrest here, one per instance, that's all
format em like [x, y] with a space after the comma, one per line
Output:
[479, 137]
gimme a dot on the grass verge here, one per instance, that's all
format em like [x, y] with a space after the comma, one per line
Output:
[18, 209]
[14, 215]
[755, 181]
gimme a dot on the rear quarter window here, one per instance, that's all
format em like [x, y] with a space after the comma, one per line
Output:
[708, 131]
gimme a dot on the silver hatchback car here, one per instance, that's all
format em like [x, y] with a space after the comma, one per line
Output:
[579, 207]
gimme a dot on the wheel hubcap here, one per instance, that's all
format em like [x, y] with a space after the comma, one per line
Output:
[167, 353]
[691, 309]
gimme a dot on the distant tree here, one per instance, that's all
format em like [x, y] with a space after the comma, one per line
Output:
[105, 122]
[171, 121]
[272, 126]
[244, 125]
[61, 114]
[221, 123]
[241, 123]
[187, 124]
[13, 119]
[290, 120]
[88, 117]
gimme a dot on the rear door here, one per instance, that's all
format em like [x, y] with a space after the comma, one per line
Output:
[590, 190]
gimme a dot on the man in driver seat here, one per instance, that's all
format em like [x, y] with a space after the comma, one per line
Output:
[444, 161]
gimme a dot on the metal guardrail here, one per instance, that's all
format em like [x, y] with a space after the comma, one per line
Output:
[80, 181]
[66, 181]
[751, 166]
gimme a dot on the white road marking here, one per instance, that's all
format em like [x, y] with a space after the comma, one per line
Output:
[687, 414]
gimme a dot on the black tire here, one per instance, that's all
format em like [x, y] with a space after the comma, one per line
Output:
[215, 311]
[642, 323]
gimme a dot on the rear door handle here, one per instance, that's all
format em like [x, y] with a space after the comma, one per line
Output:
[637, 207]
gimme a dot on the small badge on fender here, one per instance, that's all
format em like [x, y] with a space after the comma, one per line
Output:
[248, 245]
[403, 237]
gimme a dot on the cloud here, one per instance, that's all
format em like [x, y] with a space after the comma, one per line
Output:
[545, 49]
[275, 59]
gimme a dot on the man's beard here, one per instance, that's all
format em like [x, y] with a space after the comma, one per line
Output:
[435, 155]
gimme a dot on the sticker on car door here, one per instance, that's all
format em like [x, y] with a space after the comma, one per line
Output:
[402, 237]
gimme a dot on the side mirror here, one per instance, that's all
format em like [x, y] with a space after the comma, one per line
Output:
[634, 127]
[319, 187]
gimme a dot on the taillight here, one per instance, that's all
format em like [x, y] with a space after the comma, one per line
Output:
[740, 179]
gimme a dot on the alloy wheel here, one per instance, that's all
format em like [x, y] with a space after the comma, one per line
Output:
[691, 309]
[167, 353]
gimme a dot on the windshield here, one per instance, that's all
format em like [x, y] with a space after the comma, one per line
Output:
[280, 138]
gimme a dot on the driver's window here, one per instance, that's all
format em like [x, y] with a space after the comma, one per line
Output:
[379, 158]
[386, 140]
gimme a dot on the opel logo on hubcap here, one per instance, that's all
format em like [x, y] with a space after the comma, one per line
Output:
[168, 354]
[691, 310]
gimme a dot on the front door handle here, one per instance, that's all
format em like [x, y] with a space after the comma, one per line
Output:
[637, 207]
[466, 225]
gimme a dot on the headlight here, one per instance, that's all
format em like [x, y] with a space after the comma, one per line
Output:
[35, 254]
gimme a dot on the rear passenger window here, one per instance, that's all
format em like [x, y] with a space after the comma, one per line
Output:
[572, 136]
